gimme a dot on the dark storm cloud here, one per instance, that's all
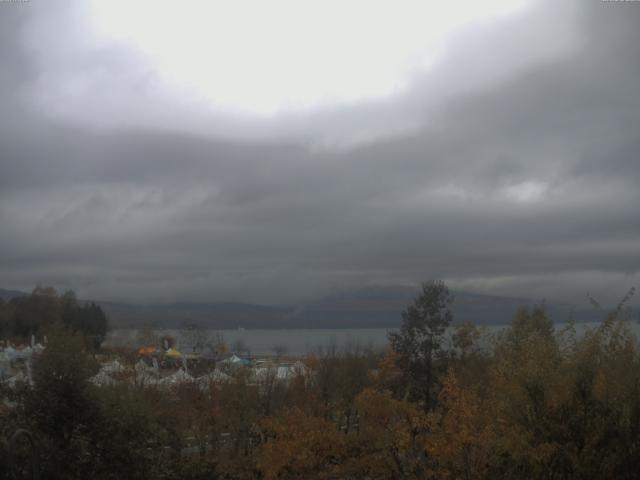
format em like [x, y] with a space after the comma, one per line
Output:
[525, 185]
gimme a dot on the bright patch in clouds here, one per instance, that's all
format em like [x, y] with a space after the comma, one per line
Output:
[264, 57]
[530, 191]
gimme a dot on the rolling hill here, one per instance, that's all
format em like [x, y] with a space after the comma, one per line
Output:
[372, 307]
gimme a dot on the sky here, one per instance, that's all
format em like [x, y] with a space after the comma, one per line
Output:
[276, 152]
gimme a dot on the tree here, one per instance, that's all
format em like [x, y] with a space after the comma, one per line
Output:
[217, 345]
[351, 379]
[126, 437]
[83, 431]
[390, 441]
[324, 366]
[240, 405]
[148, 335]
[60, 406]
[240, 347]
[424, 323]
[34, 314]
[5, 316]
[525, 324]
[462, 433]
[194, 338]
[300, 446]
[465, 339]
[279, 350]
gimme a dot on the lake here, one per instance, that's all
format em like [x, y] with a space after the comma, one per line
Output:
[294, 342]
[264, 342]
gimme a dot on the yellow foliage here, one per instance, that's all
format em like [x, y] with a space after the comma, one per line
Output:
[461, 434]
[299, 446]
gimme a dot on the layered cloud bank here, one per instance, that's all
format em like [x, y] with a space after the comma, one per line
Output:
[508, 165]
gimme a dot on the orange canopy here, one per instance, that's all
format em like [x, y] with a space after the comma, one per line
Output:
[146, 351]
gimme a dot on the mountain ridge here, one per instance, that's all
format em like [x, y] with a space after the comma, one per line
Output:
[368, 307]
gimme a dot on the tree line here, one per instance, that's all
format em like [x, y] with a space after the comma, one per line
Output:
[33, 315]
[532, 401]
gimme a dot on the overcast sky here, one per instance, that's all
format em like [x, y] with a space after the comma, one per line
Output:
[279, 151]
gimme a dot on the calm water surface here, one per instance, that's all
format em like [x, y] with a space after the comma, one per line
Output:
[295, 342]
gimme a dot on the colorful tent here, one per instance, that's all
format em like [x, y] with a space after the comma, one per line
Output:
[146, 351]
[172, 353]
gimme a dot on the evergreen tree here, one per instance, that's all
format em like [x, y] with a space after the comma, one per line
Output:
[419, 340]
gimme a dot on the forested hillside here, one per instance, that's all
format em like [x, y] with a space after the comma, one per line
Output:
[540, 403]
